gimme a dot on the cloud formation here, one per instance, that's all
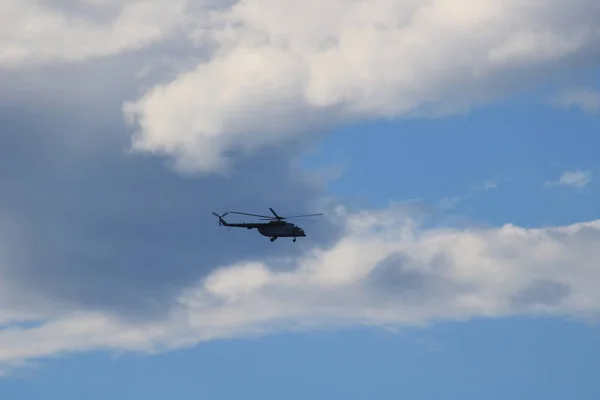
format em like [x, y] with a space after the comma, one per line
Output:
[586, 99]
[253, 74]
[577, 179]
[106, 251]
[386, 270]
[281, 68]
[35, 33]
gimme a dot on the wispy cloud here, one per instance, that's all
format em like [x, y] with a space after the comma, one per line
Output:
[585, 99]
[486, 185]
[431, 345]
[449, 202]
[577, 179]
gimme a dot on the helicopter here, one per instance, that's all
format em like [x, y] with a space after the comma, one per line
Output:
[276, 228]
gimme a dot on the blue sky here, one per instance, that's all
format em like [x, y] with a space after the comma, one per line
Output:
[457, 257]
[517, 146]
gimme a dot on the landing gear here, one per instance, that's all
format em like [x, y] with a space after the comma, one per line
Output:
[275, 238]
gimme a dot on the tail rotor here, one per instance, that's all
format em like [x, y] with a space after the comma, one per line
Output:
[220, 217]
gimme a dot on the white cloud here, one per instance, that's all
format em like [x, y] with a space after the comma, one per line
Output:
[577, 179]
[283, 68]
[450, 202]
[487, 185]
[34, 33]
[586, 99]
[385, 271]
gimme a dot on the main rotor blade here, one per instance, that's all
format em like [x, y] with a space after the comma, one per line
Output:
[301, 216]
[295, 216]
[276, 215]
[252, 215]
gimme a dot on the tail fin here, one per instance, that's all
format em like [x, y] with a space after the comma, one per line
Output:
[221, 220]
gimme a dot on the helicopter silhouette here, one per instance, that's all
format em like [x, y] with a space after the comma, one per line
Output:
[276, 228]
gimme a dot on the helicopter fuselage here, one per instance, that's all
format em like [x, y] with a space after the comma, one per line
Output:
[274, 229]
[281, 230]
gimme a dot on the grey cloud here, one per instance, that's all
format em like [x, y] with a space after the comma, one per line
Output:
[103, 12]
[106, 230]
[400, 276]
[544, 292]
